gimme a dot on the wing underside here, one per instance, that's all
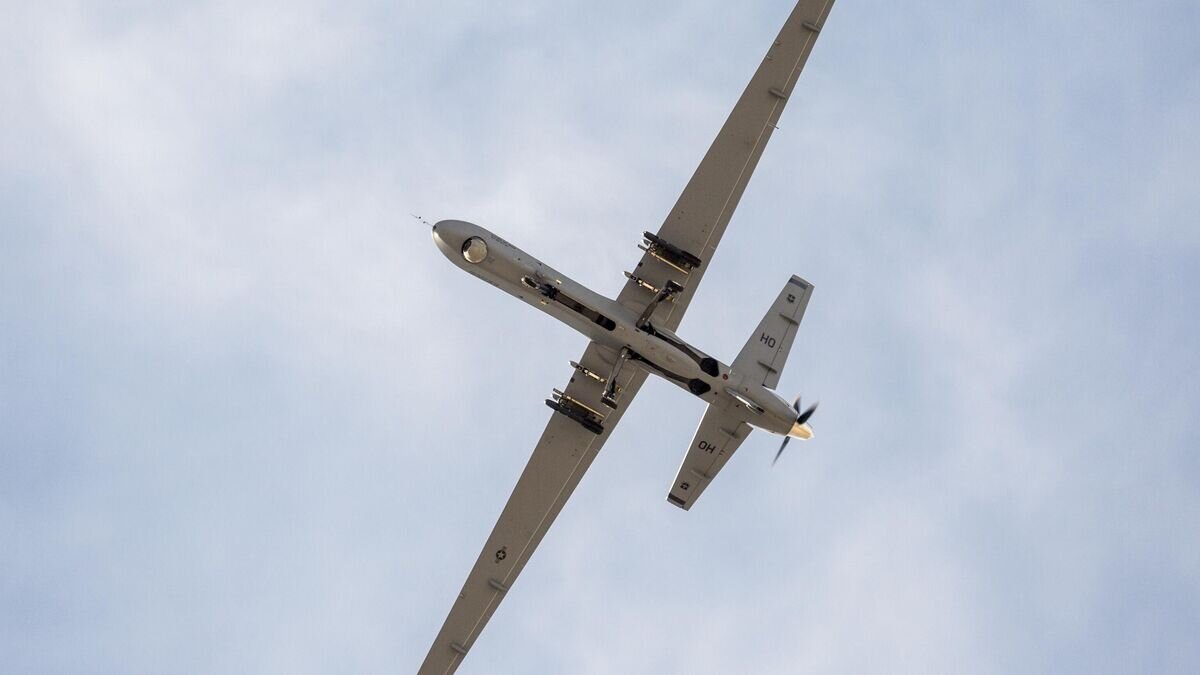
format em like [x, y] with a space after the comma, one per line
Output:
[559, 460]
[693, 229]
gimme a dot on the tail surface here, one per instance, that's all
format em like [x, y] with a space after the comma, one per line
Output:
[723, 427]
[720, 433]
[767, 349]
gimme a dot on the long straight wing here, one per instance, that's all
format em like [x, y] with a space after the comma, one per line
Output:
[720, 433]
[694, 227]
[561, 457]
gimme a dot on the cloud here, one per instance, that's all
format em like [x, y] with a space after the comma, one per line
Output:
[252, 421]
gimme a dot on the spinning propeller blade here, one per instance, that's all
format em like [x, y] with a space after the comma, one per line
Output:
[781, 447]
[807, 413]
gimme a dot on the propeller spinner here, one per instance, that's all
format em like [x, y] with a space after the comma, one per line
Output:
[800, 429]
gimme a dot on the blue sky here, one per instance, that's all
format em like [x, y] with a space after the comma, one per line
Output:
[251, 421]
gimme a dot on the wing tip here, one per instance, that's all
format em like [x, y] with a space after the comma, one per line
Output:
[796, 279]
[676, 501]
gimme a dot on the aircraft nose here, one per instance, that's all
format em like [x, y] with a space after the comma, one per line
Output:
[443, 233]
[449, 236]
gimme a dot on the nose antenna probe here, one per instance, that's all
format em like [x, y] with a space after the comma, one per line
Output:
[421, 220]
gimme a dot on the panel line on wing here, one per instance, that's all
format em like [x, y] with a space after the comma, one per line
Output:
[793, 76]
[520, 556]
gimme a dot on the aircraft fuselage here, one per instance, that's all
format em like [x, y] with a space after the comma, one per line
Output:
[607, 322]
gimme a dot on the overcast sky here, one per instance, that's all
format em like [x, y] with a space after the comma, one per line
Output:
[251, 420]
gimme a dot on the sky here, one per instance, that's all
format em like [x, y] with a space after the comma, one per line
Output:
[252, 421]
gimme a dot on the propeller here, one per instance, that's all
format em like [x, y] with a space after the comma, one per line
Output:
[801, 418]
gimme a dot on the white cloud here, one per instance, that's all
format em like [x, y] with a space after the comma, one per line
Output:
[253, 421]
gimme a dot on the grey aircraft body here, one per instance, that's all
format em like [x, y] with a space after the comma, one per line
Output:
[633, 336]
